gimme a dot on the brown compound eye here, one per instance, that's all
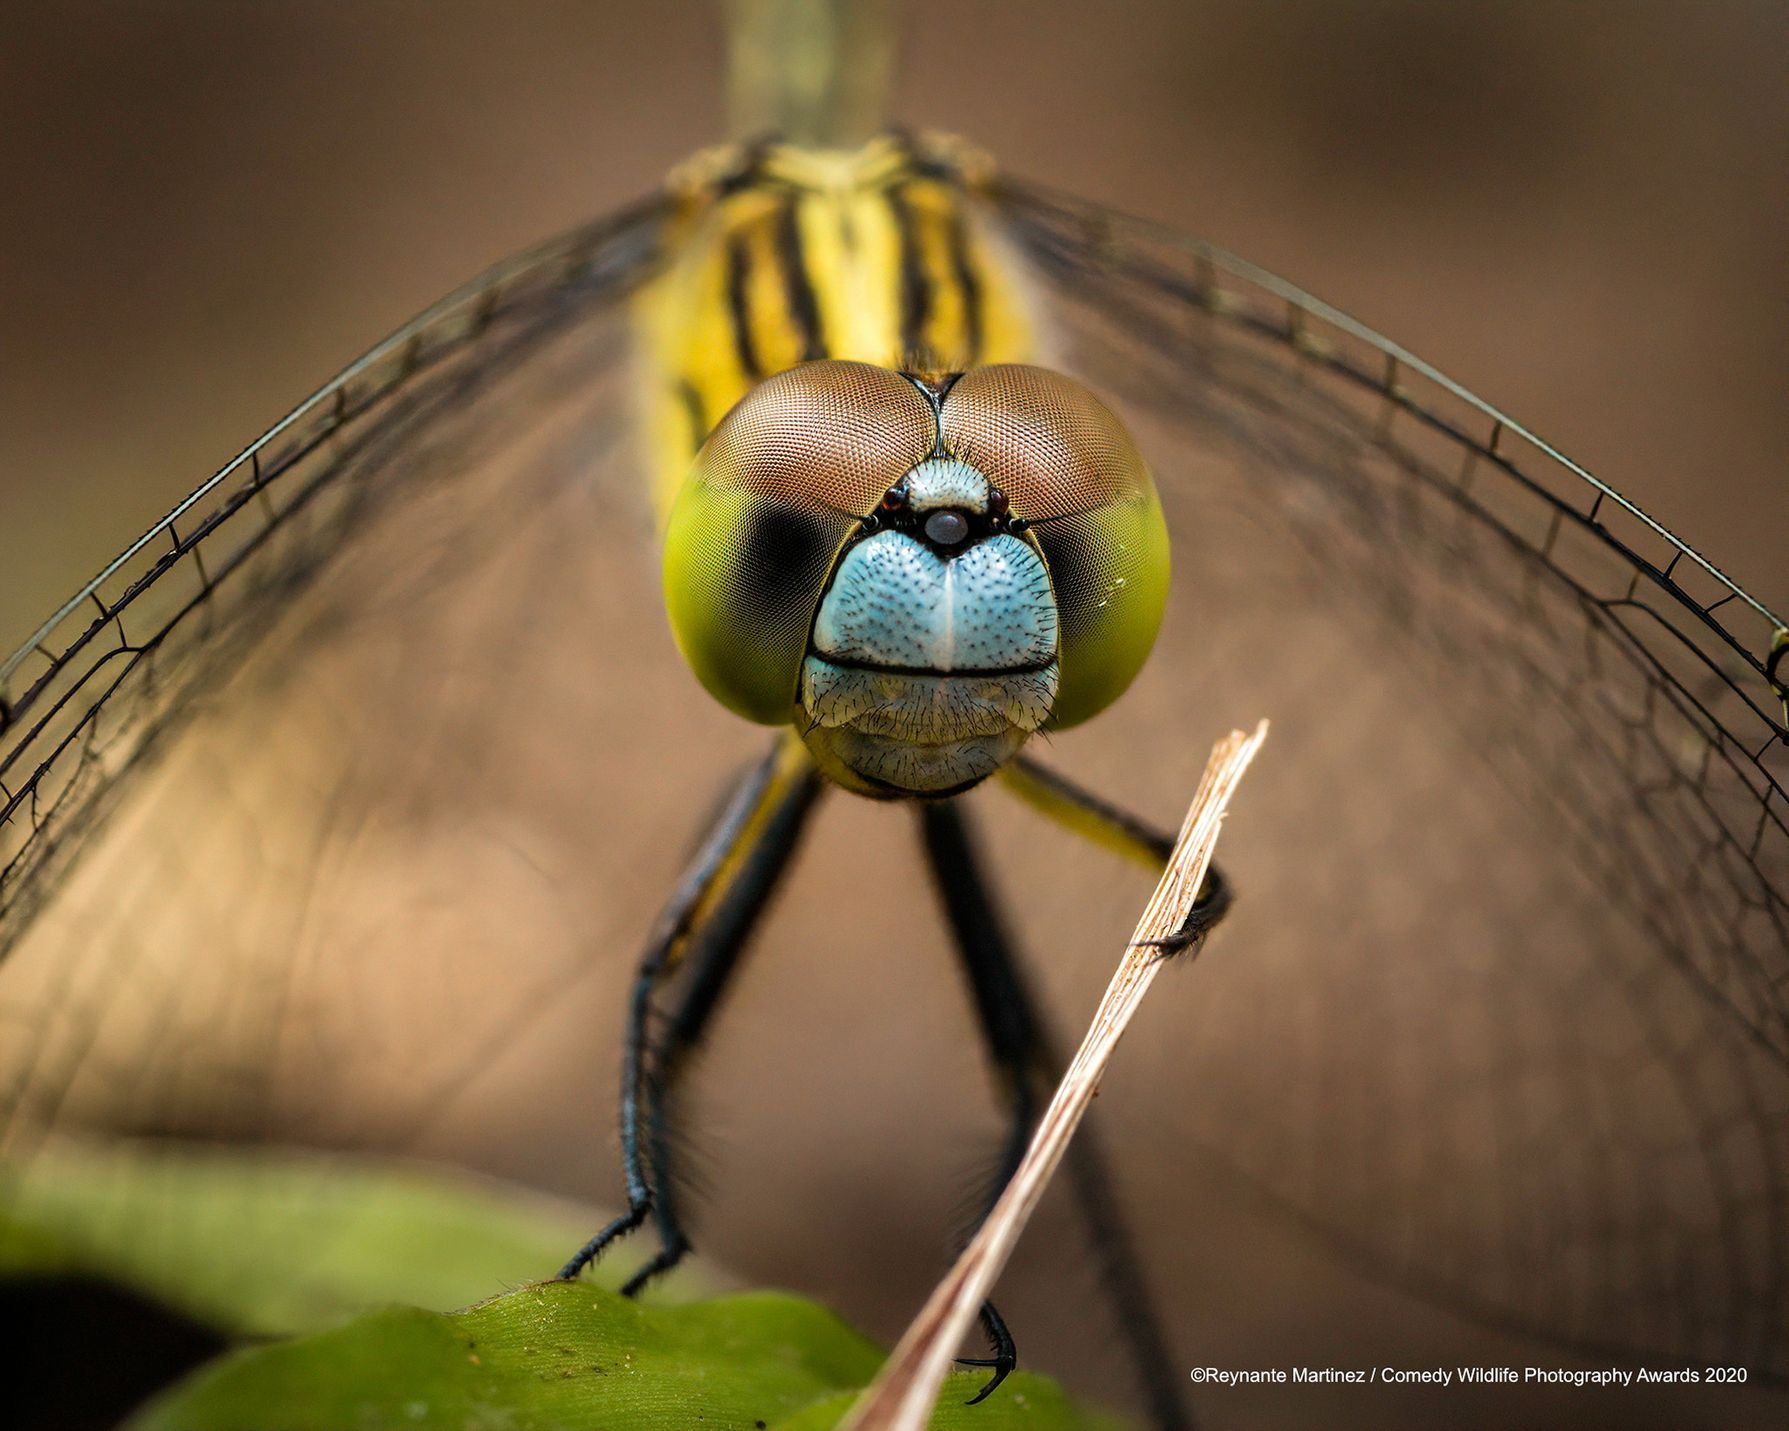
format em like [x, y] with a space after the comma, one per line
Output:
[1050, 445]
[826, 435]
[782, 482]
[1075, 483]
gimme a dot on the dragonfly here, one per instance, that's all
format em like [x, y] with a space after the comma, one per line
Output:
[353, 797]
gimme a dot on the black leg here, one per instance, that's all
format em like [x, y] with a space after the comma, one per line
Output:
[1116, 829]
[1208, 911]
[1020, 1046]
[711, 911]
[1000, 1342]
[714, 956]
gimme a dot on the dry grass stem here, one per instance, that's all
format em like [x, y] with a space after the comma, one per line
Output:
[902, 1396]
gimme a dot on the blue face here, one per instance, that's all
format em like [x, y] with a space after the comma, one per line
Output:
[934, 653]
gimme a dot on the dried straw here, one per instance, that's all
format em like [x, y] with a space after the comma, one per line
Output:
[903, 1393]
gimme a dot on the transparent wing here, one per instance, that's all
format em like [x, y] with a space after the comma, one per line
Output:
[1504, 1011]
[337, 811]
[200, 754]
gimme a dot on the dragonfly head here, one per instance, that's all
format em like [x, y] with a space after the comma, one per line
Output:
[919, 573]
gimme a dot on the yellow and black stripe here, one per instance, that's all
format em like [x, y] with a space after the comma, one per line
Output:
[783, 255]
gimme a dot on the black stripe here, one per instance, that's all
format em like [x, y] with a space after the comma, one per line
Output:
[747, 173]
[692, 406]
[850, 663]
[916, 286]
[739, 263]
[804, 308]
[970, 282]
[901, 792]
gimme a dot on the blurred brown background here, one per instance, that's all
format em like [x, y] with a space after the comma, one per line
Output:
[1580, 211]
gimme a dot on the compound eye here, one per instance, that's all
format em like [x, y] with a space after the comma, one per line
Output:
[758, 523]
[1074, 481]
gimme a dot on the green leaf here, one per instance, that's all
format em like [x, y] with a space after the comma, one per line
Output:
[572, 1357]
[263, 1244]
[260, 1245]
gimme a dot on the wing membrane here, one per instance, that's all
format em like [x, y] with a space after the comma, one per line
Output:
[336, 809]
[1506, 1012]
[239, 769]
[79, 697]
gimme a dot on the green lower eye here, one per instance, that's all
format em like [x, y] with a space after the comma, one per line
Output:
[1110, 572]
[743, 576]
